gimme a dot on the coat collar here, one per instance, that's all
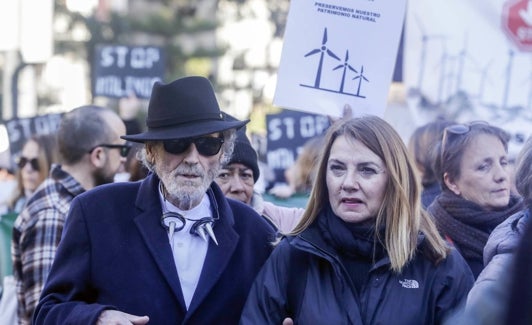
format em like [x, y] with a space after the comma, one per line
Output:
[147, 219]
[311, 240]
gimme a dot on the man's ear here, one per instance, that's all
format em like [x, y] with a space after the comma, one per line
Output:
[150, 152]
[97, 157]
[451, 184]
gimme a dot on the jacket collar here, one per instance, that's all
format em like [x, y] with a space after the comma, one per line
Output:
[312, 241]
[148, 221]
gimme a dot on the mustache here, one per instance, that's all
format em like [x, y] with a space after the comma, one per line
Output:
[189, 170]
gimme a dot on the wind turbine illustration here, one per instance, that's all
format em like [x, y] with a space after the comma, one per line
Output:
[322, 50]
[345, 66]
[360, 77]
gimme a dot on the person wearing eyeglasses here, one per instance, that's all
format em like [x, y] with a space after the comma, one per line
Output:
[90, 153]
[34, 162]
[473, 171]
[170, 249]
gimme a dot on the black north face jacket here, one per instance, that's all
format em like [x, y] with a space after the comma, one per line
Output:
[318, 290]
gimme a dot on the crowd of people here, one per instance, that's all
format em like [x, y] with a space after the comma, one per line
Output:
[429, 231]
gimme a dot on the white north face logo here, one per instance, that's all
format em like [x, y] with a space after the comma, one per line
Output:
[410, 284]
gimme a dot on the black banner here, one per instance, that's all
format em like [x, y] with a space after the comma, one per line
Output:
[287, 132]
[120, 70]
[21, 129]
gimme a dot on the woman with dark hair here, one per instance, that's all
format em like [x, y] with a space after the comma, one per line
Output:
[364, 252]
[475, 197]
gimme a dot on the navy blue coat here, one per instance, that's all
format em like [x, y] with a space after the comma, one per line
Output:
[115, 254]
[423, 293]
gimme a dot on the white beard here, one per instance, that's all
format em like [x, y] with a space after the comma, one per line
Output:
[183, 193]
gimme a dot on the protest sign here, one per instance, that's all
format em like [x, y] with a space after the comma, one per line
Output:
[120, 70]
[19, 130]
[287, 133]
[339, 52]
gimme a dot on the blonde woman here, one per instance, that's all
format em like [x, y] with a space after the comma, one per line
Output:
[364, 252]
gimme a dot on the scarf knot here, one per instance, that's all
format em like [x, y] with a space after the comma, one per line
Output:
[352, 240]
[466, 223]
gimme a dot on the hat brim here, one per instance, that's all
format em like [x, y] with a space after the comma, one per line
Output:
[190, 130]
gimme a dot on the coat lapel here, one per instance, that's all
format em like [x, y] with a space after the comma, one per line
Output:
[156, 239]
[155, 236]
[218, 256]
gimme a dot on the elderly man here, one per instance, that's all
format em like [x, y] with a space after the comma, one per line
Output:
[169, 249]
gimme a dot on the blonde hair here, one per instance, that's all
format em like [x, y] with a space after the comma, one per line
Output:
[400, 212]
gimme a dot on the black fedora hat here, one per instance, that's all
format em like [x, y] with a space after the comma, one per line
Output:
[184, 108]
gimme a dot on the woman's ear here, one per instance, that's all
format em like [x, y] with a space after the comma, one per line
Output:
[451, 184]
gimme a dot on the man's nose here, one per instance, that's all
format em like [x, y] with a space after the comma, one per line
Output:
[191, 154]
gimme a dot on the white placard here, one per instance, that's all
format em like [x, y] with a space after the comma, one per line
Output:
[339, 52]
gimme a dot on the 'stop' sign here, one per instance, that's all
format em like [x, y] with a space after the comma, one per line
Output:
[517, 23]
[288, 131]
[120, 70]
[19, 130]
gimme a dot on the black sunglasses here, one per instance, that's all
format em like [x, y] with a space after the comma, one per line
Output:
[124, 148]
[206, 146]
[34, 163]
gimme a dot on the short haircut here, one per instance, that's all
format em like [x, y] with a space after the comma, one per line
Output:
[453, 146]
[82, 129]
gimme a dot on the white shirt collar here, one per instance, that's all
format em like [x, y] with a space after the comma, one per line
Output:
[202, 210]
